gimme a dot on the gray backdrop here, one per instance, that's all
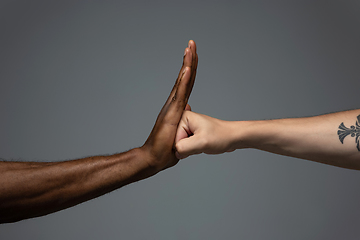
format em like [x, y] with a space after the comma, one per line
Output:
[81, 78]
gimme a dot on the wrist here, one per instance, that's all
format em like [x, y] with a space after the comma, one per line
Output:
[152, 165]
[240, 133]
[248, 134]
[145, 155]
[263, 135]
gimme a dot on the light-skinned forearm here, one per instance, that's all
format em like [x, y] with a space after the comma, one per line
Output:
[312, 138]
[36, 189]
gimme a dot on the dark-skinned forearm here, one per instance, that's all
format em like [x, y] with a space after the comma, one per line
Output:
[35, 189]
[38, 189]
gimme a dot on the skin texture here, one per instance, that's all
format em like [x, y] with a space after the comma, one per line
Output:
[32, 189]
[313, 138]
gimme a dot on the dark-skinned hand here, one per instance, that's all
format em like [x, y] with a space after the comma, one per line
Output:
[159, 147]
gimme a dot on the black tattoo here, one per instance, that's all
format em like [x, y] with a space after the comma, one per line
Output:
[354, 131]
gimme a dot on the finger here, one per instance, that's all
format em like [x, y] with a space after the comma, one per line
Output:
[187, 62]
[182, 131]
[179, 99]
[192, 47]
[184, 87]
[190, 57]
[187, 59]
[189, 146]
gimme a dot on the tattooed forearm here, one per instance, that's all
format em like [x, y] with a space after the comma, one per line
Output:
[354, 131]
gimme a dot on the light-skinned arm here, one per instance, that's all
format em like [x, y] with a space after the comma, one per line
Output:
[35, 189]
[331, 138]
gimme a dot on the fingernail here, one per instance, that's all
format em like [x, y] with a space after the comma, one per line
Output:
[189, 44]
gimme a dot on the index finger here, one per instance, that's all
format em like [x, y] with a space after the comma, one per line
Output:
[187, 62]
[186, 83]
[183, 86]
[192, 46]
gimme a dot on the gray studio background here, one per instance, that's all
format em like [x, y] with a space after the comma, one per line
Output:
[82, 78]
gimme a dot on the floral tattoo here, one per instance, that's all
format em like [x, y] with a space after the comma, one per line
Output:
[353, 131]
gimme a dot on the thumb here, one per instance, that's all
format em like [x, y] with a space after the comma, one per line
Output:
[189, 146]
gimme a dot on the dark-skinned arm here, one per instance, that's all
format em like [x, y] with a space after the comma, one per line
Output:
[35, 189]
